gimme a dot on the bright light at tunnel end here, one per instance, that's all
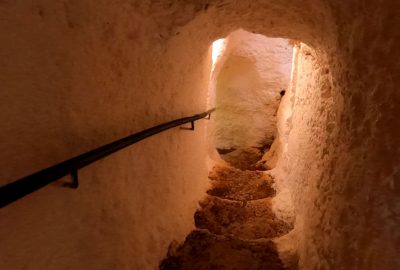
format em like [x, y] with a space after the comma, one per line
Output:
[218, 48]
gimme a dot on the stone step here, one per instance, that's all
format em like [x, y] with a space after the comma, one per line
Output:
[203, 250]
[234, 184]
[244, 159]
[245, 220]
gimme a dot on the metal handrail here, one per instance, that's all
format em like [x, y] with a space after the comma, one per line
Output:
[26, 185]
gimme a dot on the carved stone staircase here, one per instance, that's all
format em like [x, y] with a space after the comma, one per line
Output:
[234, 226]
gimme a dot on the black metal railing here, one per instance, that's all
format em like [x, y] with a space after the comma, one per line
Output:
[26, 185]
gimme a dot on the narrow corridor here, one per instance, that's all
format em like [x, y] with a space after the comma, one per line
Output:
[78, 76]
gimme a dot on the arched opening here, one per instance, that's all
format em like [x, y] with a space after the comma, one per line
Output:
[251, 77]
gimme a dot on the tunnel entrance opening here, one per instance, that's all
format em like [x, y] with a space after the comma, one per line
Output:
[250, 73]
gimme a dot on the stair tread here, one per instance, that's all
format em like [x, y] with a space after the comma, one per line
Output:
[234, 184]
[203, 250]
[234, 226]
[246, 220]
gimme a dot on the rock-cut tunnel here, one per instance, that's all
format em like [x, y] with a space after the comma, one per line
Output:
[322, 192]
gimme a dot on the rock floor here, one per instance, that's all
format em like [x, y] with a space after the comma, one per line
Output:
[234, 226]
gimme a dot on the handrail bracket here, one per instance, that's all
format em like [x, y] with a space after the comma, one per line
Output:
[191, 126]
[74, 184]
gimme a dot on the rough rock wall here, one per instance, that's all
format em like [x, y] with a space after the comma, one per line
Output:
[348, 195]
[253, 73]
[61, 60]
[79, 74]
[345, 210]
[307, 118]
[363, 174]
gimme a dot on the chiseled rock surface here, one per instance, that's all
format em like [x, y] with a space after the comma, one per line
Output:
[83, 73]
[252, 219]
[238, 185]
[234, 226]
[204, 251]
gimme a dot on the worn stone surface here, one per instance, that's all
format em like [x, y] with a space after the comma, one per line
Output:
[232, 233]
[249, 219]
[203, 250]
[238, 185]
[78, 74]
[245, 158]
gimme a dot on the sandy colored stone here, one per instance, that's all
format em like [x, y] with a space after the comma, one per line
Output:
[246, 219]
[252, 73]
[234, 184]
[78, 74]
[203, 251]
[232, 234]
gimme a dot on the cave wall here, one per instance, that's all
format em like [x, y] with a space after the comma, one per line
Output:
[77, 74]
[341, 193]
[307, 120]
